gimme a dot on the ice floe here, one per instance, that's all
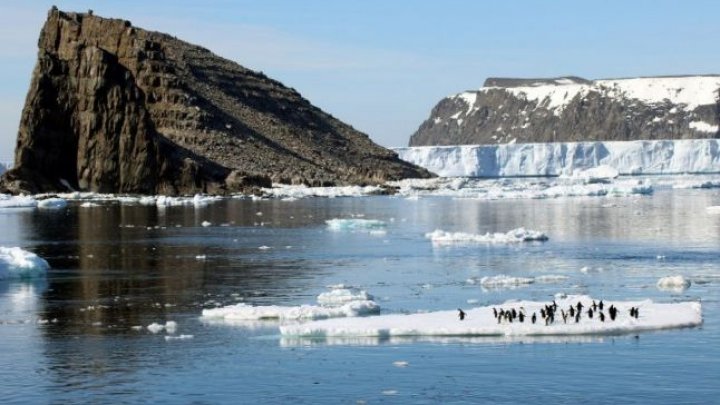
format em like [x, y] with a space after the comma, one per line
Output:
[354, 224]
[341, 294]
[518, 235]
[169, 327]
[673, 283]
[16, 262]
[480, 321]
[505, 281]
[244, 311]
[340, 301]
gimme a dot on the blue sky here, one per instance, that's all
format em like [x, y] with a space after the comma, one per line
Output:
[381, 65]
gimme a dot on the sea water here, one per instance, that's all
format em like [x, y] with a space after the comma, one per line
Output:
[80, 334]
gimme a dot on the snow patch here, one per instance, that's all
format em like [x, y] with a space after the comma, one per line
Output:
[703, 126]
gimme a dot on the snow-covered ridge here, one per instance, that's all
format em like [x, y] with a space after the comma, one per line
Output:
[688, 91]
[555, 159]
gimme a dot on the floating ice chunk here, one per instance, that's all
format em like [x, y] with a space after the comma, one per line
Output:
[282, 313]
[505, 281]
[206, 223]
[200, 257]
[353, 224]
[341, 294]
[181, 337]
[550, 278]
[264, 247]
[673, 283]
[400, 363]
[52, 203]
[514, 236]
[18, 263]
[169, 327]
[481, 322]
[89, 204]
[9, 201]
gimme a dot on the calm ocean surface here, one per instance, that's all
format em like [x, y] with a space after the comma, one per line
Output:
[117, 266]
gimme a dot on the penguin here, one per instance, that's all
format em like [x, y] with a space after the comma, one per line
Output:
[542, 312]
[521, 316]
[590, 313]
[513, 313]
[579, 306]
[612, 312]
[602, 317]
[572, 311]
[461, 314]
[495, 312]
[534, 318]
[632, 312]
[600, 305]
[564, 315]
[637, 313]
[594, 306]
[577, 317]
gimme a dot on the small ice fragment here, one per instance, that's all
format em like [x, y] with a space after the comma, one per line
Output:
[400, 363]
[673, 283]
[201, 257]
[206, 223]
[263, 247]
[181, 337]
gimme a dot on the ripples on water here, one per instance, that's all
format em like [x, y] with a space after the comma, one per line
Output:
[70, 338]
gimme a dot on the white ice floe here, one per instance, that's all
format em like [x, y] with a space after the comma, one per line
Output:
[514, 236]
[673, 283]
[21, 201]
[180, 337]
[247, 312]
[341, 294]
[52, 203]
[89, 204]
[553, 159]
[481, 322]
[505, 281]
[18, 263]
[206, 223]
[354, 224]
[169, 327]
[288, 191]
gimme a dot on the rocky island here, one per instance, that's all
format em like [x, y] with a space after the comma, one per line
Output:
[118, 109]
[572, 109]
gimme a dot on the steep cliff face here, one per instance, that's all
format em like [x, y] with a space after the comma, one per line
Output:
[114, 108]
[571, 109]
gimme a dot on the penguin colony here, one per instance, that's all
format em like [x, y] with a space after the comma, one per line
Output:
[573, 313]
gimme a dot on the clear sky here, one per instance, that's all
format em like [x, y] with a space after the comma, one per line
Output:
[381, 65]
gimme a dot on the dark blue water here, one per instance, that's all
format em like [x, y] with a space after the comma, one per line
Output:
[69, 338]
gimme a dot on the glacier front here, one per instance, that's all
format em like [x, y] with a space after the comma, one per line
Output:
[687, 156]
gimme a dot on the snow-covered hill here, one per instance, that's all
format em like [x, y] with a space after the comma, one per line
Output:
[554, 159]
[575, 109]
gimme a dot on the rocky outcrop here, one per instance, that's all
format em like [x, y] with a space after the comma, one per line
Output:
[572, 109]
[115, 108]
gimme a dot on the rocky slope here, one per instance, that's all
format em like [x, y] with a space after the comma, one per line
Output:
[570, 109]
[115, 108]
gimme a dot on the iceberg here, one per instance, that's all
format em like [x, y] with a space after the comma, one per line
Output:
[52, 203]
[518, 235]
[649, 157]
[480, 322]
[19, 263]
